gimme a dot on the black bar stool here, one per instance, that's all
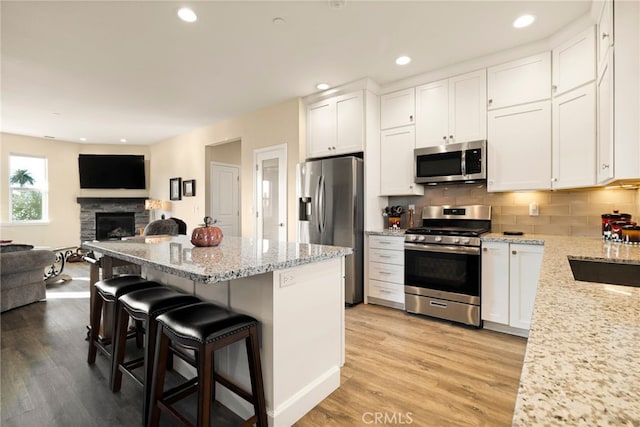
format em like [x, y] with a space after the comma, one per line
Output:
[143, 306]
[204, 328]
[109, 290]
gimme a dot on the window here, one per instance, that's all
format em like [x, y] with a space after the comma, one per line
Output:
[28, 188]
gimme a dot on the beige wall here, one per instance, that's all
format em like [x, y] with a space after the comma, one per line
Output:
[63, 227]
[187, 156]
[570, 213]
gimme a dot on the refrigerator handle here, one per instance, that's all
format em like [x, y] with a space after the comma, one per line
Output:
[321, 204]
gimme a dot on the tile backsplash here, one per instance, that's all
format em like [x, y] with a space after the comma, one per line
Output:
[569, 213]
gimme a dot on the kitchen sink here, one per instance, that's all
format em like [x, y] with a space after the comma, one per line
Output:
[606, 272]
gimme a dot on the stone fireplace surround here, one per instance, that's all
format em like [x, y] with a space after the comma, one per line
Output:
[90, 205]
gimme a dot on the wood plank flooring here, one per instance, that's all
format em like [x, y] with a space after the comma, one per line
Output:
[400, 369]
[406, 369]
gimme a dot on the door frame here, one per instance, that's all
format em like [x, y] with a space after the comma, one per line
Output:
[239, 200]
[279, 150]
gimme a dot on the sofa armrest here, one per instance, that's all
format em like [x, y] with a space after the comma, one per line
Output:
[16, 262]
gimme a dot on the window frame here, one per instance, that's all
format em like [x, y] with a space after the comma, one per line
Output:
[43, 189]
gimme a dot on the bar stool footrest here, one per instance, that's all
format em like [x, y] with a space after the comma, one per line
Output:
[171, 396]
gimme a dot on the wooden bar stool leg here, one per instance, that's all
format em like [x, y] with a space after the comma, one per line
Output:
[159, 372]
[255, 371]
[150, 339]
[205, 384]
[96, 313]
[120, 344]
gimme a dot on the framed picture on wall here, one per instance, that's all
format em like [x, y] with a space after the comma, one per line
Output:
[189, 188]
[175, 187]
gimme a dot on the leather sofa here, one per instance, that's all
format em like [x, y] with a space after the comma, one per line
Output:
[22, 275]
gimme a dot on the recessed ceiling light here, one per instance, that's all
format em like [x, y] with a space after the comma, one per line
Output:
[322, 86]
[123, 140]
[50, 137]
[278, 21]
[187, 15]
[83, 139]
[56, 114]
[403, 60]
[524, 21]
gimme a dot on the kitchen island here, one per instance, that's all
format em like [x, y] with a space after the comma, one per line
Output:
[295, 290]
[582, 362]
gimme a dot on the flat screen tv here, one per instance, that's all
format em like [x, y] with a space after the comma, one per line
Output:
[111, 171]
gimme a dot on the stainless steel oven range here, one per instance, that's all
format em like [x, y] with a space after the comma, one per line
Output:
[442, 263]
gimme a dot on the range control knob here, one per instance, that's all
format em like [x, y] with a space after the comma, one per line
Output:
[411, 238]
[466, 241]
[421, 238]
[438, 239]
[456, 240]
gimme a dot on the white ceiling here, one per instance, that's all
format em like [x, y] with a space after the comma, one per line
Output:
[116, 69]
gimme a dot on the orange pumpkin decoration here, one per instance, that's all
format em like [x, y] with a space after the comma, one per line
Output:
[209, 235]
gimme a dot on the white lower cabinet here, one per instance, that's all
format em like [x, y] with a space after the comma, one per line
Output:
[385, 271]
[510, 273]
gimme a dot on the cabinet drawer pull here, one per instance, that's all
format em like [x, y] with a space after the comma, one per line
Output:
[604, 166]
[385, 272]
[410, 118]
[437, 304]
[514, 252]
[604, 36]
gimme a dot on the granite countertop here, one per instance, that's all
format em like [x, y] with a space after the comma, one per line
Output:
[235, 257]
[399, 232]
[582, 362]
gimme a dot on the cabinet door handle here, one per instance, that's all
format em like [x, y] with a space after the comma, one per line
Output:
[485, 250]
[554, 179]
[554, 88]
[444, 138]
[490, 101]
[604, 36]
[411, 118]
[514, 252]
[451, 137]
[604, 166]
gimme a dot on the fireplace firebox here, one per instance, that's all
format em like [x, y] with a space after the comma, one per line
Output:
[115, 225]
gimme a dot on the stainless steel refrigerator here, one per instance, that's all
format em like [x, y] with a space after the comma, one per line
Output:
[330, 212]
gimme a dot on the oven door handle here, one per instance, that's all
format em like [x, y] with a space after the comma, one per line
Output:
[465, 250]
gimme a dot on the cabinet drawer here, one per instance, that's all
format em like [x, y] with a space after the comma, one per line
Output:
[386, 272]
[387, 242]
[386, 256]
[386, 291]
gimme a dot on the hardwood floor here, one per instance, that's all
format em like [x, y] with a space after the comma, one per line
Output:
[400, 369]
[416, 370]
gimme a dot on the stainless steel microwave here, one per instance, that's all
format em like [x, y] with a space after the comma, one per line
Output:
[451, 163]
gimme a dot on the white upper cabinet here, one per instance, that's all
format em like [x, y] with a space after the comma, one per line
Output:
[574, 138]
[574, 62]
[396, 162]
[519, 82]
[519, 148]
[452, 110]
[432, 110]
[604, 30]
[321, 128]
[336, 126]
[397, 109]
[468, 107]
[349, 123]
[605, 143]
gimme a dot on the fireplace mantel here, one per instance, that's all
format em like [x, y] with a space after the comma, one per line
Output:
[82, 200]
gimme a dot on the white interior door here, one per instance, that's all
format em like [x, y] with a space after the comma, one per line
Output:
[271, 193]
[225, 197]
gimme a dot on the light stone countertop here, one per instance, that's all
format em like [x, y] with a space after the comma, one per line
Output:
[386, 233]
[582, 362]
[235, 257]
